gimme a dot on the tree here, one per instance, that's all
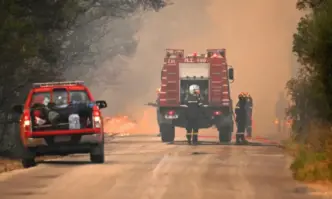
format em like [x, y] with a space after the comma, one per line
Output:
[311, 4]
[313, 46]
[33, 34]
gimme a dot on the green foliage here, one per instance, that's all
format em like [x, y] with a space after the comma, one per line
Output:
[312, 89]
[28, 43]
[25, 29]
[311, 92]
[312, 4]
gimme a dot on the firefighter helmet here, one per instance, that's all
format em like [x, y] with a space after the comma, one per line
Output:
[193, 89]
[60, 100]
[242, 95]
[46, 100]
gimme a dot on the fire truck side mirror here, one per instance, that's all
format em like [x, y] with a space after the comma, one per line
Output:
[101, 104]
[231, 73]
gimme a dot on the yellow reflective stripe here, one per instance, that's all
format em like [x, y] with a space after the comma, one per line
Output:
[188, 134]
[195, 133]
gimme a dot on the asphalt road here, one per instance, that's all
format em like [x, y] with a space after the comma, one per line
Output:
[141, 167]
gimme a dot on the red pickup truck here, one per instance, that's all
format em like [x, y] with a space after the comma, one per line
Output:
[61, 118]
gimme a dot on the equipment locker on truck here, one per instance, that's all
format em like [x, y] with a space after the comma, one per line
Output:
[213, 76]
[61, 118]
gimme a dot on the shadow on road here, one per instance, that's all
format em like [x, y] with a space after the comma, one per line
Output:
[214, 143]
[126, 142]
[65, 162]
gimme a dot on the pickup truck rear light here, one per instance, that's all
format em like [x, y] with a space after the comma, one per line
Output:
[96, 119]
[26, 123]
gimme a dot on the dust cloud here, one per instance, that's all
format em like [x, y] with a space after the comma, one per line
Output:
[257, 35]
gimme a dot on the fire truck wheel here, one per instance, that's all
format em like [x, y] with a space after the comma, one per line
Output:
[167, 132]
[225, 134]
[97, 154]
[28, 162]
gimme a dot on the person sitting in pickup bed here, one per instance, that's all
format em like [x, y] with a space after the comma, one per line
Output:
[79, 100]
[38, 103]
[76, 98]
[60, 101]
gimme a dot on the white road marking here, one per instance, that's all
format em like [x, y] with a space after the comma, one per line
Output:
[158, 183]
[266, 155]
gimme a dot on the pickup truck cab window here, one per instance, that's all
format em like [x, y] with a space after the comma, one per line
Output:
[60, 97]
[41, 98]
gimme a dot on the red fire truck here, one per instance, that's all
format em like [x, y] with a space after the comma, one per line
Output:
[212, 74]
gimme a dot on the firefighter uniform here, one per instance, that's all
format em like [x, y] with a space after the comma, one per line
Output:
[193, 102]
[281, 107]
[249, 121]
[241, 118]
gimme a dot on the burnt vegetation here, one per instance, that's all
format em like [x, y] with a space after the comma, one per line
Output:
[42, 39]
[311, 92]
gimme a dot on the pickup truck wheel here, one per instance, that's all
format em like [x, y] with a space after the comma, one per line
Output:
[28, 158]
[225, 134]
[97, 154]
[28, 162]
[167, 132]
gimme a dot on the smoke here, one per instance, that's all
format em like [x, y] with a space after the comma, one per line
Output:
[258, 38]
[257, 35]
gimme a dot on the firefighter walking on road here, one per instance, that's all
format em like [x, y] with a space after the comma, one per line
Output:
[241, 115]
[280, 112]
[193, 101]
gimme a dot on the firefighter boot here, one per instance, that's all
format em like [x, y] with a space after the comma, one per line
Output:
[249, 131]
[195, 138]
[188, 137]
[243, 139]
[238, 138]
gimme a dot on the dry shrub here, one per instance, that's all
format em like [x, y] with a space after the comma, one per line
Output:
[312, 161]
[292, 148]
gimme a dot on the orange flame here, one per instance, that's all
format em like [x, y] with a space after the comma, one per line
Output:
[118, 124]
